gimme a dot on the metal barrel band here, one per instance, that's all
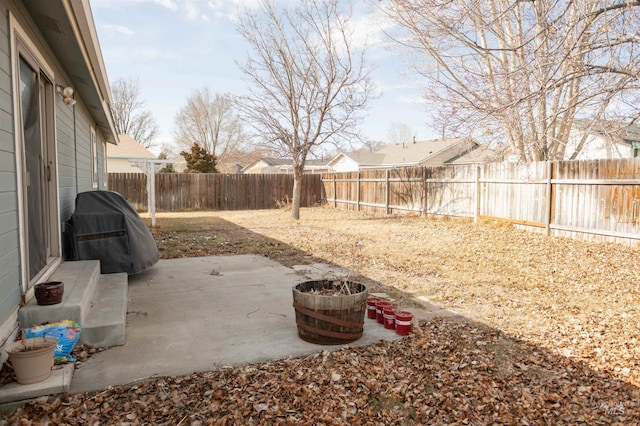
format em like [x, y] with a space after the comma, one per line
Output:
[327, 318]
[327, 333]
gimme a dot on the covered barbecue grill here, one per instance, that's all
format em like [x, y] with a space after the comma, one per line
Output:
[105, 227]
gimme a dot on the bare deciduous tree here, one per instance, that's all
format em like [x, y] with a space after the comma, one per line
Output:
[524, 70]
[368, 146]
[130, 115]
[308, 84]
[399, 133]
[210, 121]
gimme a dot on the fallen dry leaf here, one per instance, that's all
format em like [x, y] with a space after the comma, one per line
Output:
[547, 333]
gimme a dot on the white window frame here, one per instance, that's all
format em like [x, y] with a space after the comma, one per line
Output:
[94, 158]
[16, 31]
[105, 172]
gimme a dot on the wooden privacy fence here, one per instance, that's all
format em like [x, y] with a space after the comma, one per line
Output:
[594, 199]
[177, 192]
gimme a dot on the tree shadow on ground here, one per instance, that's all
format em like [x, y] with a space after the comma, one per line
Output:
[449, 370]
[213, 236]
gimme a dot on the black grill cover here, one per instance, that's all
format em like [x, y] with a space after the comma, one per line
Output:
[105, 227]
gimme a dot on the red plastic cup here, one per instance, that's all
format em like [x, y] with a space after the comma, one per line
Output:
[403, 322]
[380, 304]
[371, 307]
[389, 313]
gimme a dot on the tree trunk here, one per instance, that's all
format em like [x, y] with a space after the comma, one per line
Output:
[297, 191]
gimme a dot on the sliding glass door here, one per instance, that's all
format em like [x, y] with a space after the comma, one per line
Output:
[36, 118]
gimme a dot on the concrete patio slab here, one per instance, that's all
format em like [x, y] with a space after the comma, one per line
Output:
[196, 314]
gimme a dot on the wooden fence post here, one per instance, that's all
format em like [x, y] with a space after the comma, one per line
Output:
[386, 199]
[335, 196]
[477, 212]
[358, 192]
[425, 194]
[548, 194]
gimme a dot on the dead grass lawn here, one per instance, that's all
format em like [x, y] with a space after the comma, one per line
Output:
[580, 299]
[549, 334]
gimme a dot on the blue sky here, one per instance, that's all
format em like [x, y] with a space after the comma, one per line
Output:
[174, 47]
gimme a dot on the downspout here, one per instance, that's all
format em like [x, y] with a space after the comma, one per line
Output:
[75, 148]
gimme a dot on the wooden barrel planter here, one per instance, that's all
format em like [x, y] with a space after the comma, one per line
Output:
[330, 312]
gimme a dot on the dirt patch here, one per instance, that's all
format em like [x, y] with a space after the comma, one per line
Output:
[548, 336]
[196, 236]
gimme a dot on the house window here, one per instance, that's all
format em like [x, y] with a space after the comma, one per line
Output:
[94, 159]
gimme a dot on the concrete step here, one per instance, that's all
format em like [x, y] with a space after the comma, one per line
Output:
[58, 382]
[97, 302]
[105, 321]
[80, 280]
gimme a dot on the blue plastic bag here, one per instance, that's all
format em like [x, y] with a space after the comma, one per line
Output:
[66, 331]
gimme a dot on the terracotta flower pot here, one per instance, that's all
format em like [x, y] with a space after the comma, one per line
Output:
[33, 359]
[49, 293]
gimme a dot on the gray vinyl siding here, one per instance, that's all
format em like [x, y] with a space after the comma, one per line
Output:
[83, 131]
[9, 258]
[6, 119]
[66, 159]
[7, 162]
[11, 299]
[10, 290]
[102, 167]
[74, 155]
[73, 152]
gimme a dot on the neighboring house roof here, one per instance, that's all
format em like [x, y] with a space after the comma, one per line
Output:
[419, 152]
[128, 148]
[277, 161]
[280, 165]
[482, 154]
[317, 163]
[229, 168]
[363, 158]
[617, 131]
[271, 165]
[409, 154]
[316, 166]
[69, 30]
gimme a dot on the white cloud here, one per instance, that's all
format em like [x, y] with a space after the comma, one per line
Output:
[414, 99]
[251, 4]
[118, 29]
[369, 28]
[128, 54]
[169, 4]
[224, 10]
[192, 11]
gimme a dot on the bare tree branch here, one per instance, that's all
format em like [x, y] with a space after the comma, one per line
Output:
[210, 121]
[400, 133]
[130, 115]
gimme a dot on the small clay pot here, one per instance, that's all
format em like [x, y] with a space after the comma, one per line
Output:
[32, 359]
[49, 293]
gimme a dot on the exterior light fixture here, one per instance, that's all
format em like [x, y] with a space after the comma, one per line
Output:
[66, 93]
